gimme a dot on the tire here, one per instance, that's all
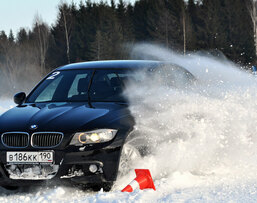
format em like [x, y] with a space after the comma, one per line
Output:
[129, 155]
[96, 187]
[11, 188]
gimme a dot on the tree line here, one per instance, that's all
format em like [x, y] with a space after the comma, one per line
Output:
[97, 31]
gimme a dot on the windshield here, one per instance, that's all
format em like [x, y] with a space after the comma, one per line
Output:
[103, 85]
[98, 85]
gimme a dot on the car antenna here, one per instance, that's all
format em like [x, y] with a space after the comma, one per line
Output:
[88, 90]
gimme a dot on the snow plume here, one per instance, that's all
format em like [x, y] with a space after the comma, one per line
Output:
[22, 78]
[5, 104]
[17, 77]
[201, 132]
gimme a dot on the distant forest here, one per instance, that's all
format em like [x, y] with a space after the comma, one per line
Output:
[98, 31]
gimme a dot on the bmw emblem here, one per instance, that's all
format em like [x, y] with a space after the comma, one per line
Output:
[33, 127]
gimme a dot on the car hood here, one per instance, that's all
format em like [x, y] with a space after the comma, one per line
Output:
[61, 117]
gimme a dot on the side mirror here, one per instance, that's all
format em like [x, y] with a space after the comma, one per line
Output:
[19, 98]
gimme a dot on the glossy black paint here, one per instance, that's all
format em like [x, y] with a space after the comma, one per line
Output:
[63, 117]
[134, 64]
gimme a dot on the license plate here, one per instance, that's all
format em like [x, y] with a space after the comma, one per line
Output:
[30, 157]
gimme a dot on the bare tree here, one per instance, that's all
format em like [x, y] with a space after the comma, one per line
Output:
[18, 65]
[163, 28]
[42, 33]
[66, 17]
[8, 68]
[184, 28]
[98, 42]
[252, 9]
[168, 25]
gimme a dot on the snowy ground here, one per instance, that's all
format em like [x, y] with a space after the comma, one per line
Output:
[182, 188]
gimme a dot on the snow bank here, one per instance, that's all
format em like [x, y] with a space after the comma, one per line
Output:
[187, 191]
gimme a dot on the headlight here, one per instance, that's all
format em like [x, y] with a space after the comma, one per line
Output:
[90, 137]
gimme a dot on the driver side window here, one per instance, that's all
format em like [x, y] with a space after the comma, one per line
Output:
[74, 87]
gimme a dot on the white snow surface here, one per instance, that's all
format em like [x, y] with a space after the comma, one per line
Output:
[204, 138]
[181, 188]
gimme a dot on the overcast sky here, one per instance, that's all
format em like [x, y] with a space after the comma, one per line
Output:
[20, 13]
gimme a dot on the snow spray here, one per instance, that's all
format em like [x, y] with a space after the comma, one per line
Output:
[207, 130]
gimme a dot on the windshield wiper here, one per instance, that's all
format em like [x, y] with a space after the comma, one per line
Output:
[88, 90]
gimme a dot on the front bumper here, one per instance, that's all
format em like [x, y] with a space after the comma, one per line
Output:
[73, 166]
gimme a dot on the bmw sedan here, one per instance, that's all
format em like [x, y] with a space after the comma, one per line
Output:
[74, 126]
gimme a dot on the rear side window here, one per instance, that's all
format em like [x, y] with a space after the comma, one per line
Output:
[108, 85]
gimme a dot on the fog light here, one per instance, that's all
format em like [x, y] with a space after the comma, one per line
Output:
[93, 168]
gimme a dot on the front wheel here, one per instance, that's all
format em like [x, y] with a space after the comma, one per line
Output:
[106, 186]
[129, 155]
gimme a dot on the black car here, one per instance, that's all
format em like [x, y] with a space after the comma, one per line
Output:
[72, 126]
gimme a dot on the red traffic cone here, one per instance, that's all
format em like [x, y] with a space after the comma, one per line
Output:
[143, 181]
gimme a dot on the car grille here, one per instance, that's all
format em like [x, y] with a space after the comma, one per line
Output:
[46, 139]
[15, 139]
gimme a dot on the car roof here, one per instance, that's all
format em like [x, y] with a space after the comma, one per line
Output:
[111, 64]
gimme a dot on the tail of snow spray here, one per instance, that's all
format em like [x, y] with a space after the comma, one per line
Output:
[143, 181]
